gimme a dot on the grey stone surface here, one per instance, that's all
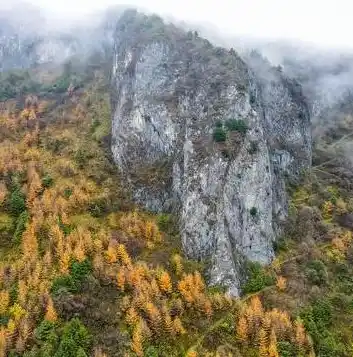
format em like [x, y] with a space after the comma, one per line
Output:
[170, 89]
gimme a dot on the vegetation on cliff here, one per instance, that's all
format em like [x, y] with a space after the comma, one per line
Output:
[83, 271]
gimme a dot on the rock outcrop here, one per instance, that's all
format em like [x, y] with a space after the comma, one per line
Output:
[171, 91]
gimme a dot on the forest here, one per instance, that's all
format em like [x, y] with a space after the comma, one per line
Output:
[86, 272]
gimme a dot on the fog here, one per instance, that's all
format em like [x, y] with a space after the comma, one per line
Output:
[311, 40]
[325, 23]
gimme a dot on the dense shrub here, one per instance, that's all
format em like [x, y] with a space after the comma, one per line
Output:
[73, 281]
[219, 135]
[47, 181]
[21, 224]
[236, 125]
[316, 272]
[317, 320]
[45, 332]
[163, 221]
[72, 340]
[286, 349]
[254, 147]
[80, 270]
[258, 279]
[16, 83]
[253, 212]
[17, 202]
[65, 282]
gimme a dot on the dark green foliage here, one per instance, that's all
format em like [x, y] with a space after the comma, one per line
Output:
[163, 221]
[286, 349]
[67, 348]
[95, 211]
[21, 225]
[71, 340]
[80, 270]
[317, 320]
[280, 245]
[254, 147]
[219, 124]
[15, 83]
[13, 293]
[98, 207]
[258, 279]
[316, 272]
[45, 332]
[47, 181]
[17, 202]
[81, 352]
[4, 319]
[322, 312]
[81, 158]
[64, 282]
[219, 135]
[73, 281]
[151, 351]
[236, 125]
[66, 228]
[253, 212]
[67, 193]
[77, 332]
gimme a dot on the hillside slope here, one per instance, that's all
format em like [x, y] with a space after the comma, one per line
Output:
[82, 270]
[85, 271]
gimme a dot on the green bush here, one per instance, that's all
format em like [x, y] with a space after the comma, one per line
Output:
[163, 221]
[322, 312]
[80, 270]
[21, 225]
[47, 181]
[96, 210]
[53, 340]
[258, 279]
[65, 282]
[286, 349]
[45, 332]
[17, 202]
[253, 212]
[81, 158]
[254, 147]
[280, 245]
[151, 351]
[316, 272]
[77, 332]
[219, 135]
[73, 281]
[66, 228]
[67, 192]
[317, 320]
[237, 125]
[17, 82]
[4, 319]
[61, 85]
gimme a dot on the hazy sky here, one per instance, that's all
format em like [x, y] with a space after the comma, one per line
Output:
[325, 22]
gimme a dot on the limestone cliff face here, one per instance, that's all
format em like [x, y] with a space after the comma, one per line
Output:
[170, 91]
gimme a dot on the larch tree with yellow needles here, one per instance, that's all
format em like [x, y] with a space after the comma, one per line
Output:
[165, 282]
[50, 314]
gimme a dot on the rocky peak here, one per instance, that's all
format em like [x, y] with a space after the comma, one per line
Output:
[199, 131]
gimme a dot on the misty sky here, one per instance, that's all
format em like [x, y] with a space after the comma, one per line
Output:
[324, 22]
